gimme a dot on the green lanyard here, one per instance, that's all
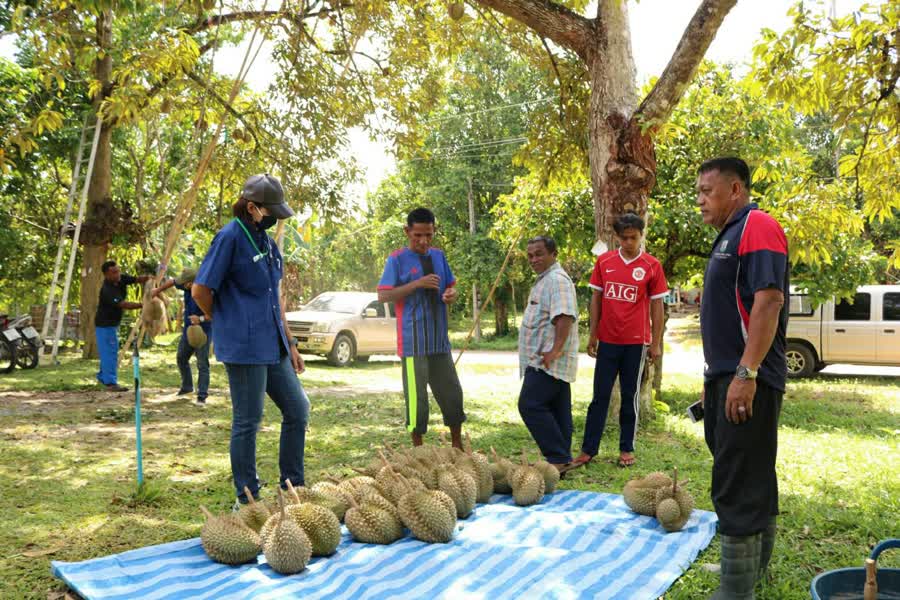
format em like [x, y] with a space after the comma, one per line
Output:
[259, 254]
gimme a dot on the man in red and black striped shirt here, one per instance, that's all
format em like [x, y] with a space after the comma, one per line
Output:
[743, 320]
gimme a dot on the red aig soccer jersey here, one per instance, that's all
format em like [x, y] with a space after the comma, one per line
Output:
[627, 287]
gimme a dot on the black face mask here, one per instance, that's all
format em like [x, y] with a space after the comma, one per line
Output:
[266, 221]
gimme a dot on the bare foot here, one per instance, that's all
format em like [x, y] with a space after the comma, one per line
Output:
[626, 459]
[416, 439]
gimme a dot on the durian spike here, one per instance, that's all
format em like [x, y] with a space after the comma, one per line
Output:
[384, 459]
[205, 512]
[292, 491]
[358, 470]
[334, 479]
[250, 498]
[468, 444]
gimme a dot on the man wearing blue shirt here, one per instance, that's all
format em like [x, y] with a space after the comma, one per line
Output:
[192, 316]
[418, 280]
[238, 283]
[743, 320]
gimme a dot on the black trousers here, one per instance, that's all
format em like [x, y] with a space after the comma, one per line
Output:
[545, 404]
[744, 484]
[438, 372]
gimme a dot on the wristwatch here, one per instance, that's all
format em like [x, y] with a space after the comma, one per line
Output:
[743, 372]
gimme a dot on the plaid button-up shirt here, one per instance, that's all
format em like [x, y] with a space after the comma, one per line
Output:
[553, 294]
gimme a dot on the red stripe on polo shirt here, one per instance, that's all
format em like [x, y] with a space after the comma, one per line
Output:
[762, 232]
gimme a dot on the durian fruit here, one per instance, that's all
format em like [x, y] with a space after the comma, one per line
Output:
[527, 484]
[320, 525]
[254, 514]
[196, 337]
[153, 310]
[673, 505]
[640, 494]
[426, 515]
[370, 523]
[374, 498]
[331, 489]
[640, 498]
[479, 467]
[287, 548]
[500, 469]
[461, 488]
[228, 540]
[550, 473]
[305, 494]
[457, 10]
[657, 479]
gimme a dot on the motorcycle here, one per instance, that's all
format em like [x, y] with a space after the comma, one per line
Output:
[27, 344]
[9, 345]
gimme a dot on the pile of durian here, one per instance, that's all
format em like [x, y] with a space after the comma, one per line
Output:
[424, 489]
[658, 495]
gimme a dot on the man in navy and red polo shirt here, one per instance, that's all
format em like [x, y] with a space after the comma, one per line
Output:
[743, 319]
[628, 286]
[418, 280]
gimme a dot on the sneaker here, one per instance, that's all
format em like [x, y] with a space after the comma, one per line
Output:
[115, 387]
[183, 392]
[200, 401]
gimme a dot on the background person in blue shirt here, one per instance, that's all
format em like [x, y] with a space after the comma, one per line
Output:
[192, 316]
[238, 283]
[418, 280]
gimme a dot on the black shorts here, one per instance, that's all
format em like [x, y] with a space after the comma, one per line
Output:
[438, 372]
[744, 485]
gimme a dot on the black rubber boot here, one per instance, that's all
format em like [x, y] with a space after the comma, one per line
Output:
[740, 566]
[768, 543]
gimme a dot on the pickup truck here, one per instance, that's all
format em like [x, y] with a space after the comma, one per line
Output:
[862, 331]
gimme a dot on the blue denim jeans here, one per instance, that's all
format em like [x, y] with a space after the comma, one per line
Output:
[108, 349]
[249, 384]
[183, 358]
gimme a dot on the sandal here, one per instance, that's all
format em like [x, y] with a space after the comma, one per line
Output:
[627, 461]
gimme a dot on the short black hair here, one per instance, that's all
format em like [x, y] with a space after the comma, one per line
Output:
[628, 220]
[107, 265]
[420, 215]
[549, 242]
[731, 165]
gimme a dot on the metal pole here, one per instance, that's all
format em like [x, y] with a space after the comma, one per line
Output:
[136, 358]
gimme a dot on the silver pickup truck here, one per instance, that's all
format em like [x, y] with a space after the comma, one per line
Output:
[864, 331]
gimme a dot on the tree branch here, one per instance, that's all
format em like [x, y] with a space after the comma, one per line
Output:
[697, 37]
[550, 20]
[562, 97]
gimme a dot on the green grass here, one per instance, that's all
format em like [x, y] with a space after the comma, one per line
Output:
[68, 483]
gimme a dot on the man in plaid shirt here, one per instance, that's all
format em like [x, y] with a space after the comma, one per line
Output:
[548, 354]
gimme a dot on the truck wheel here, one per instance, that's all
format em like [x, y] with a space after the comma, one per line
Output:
[343, 352]
[800, 360]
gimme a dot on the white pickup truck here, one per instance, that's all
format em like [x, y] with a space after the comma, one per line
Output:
[865, 331]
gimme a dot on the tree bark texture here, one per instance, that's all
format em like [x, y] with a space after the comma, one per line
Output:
[96, 244]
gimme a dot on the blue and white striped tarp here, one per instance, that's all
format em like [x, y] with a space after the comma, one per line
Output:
[572, 545]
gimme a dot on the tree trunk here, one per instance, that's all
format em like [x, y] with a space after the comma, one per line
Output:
[623, 164]
[96, 242]
[501, 317]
